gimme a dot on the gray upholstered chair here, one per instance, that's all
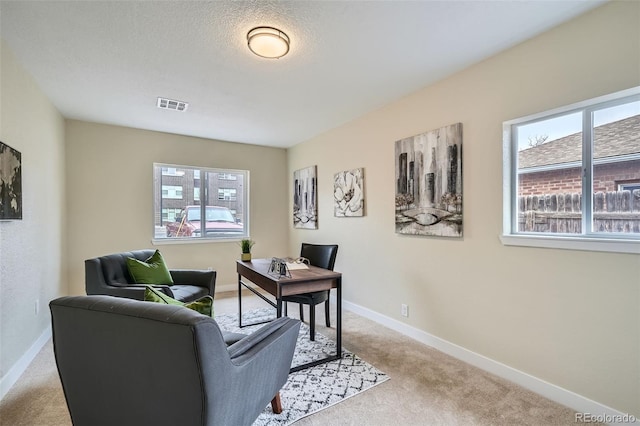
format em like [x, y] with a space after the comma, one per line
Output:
[127, 362]
[110, 276]
[322, 256]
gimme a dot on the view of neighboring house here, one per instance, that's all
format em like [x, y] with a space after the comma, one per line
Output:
[554, 167]
[550, 181]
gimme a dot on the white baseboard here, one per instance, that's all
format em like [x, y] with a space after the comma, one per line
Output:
[227, 287]
[19, 367]
[555, 393]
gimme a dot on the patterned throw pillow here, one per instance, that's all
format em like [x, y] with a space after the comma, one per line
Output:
[151, 271]
[204, 305]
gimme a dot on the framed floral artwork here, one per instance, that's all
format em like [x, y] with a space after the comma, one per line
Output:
[348, 193]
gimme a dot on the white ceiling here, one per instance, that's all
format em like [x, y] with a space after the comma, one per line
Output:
[108, 61]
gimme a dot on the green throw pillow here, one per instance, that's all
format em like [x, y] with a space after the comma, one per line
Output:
[151, 271]
[204, 305]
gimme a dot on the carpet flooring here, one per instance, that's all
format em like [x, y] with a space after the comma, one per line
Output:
[313, 389]
[427, 387]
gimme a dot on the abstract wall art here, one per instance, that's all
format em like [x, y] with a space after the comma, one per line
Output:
[10, 183]
[429, 183]
[348, 193]
[305, 196]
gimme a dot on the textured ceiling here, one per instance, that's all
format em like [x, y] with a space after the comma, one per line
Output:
[108, 61]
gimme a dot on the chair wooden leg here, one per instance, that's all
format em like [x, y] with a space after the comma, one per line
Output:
[327, 319]
[276, 404]
[301, 312]
[312, 322]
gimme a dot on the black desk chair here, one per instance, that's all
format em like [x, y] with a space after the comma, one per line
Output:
[322, 256]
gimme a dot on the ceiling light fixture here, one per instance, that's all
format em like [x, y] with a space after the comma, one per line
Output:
[268, 42]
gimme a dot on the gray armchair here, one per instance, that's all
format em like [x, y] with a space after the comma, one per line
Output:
[109, 275]
[128, 362]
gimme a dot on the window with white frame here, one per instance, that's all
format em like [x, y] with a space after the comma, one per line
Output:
[629, 186]
[227, 194]
[187, 205]
[169, 215]
[171, 171]
[172, 191]
[227, 176]
[570, 176]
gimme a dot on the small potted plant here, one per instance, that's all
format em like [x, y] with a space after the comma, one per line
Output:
[246, 245]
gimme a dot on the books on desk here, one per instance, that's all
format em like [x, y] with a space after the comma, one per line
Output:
[295, 265]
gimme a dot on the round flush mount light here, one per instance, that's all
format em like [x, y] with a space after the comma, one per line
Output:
[268, 42]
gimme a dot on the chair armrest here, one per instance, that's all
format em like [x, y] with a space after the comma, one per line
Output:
[134, 291]
[261, 364]
[197, 277]
[247, 347]
[230, 338]
[251, 371]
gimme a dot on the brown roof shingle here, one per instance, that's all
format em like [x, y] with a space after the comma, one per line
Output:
[611, 140]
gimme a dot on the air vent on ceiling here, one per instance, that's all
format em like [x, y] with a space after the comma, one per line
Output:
[165, 103]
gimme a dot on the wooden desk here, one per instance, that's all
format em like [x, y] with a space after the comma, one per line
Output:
[301, 281]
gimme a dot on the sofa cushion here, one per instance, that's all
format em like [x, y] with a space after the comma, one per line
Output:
[151, 271]
[187, 292]
[204, 305]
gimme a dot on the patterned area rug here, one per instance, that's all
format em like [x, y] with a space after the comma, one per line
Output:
[313, 389]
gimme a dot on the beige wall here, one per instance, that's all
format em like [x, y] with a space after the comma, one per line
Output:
[32, 249]
[571, 318]
[110, 198]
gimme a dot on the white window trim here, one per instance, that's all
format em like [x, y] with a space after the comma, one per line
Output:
[169, 241]
[615, 243]
[172, 189]
[571, 243]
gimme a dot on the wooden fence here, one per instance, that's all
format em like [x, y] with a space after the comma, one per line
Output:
[617, 211]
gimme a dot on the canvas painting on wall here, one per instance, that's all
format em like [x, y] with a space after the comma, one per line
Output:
[429, 183]
[348, 193]
[305, 198]
[10, 183]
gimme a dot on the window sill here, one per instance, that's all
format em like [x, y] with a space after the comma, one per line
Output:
[169, 241]
[573, 243]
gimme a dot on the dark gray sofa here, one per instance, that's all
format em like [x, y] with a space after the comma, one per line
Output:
[109, 275]
[126, 362]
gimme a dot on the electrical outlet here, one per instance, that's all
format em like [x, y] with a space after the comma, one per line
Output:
[404, 310]
[37, 306]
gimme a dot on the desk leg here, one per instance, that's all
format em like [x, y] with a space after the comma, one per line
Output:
[339, 318]
[239, 300]
[278, 308]
[338, 353]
